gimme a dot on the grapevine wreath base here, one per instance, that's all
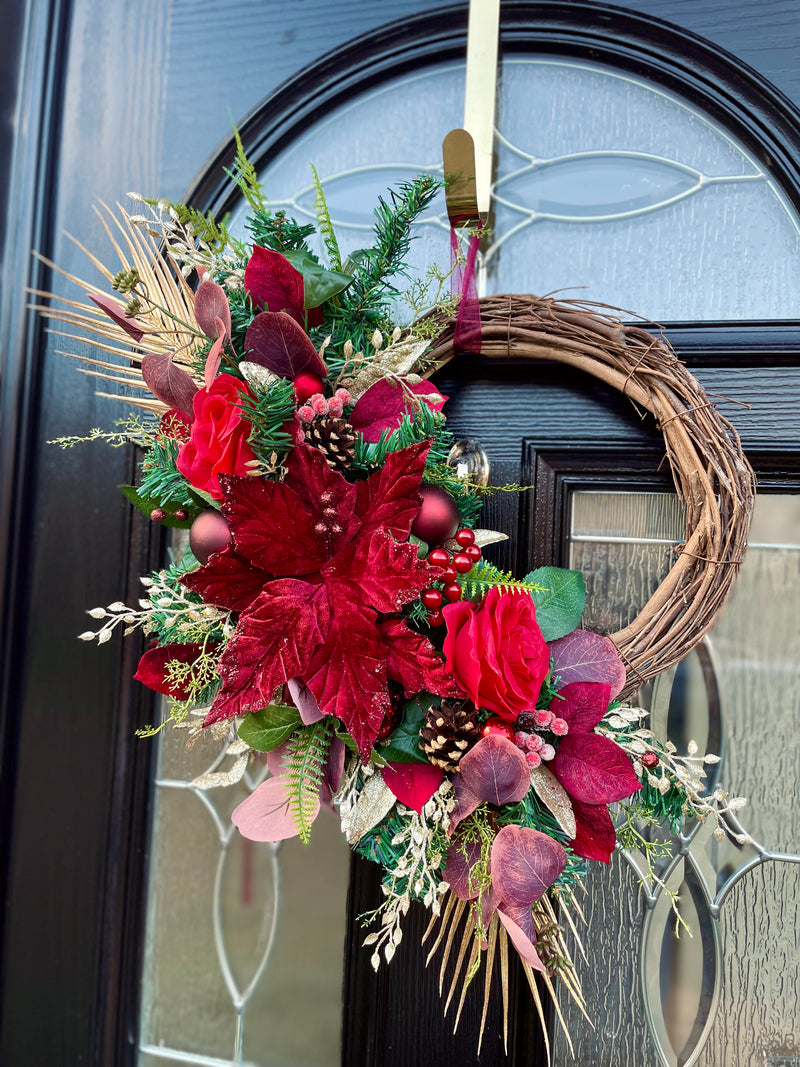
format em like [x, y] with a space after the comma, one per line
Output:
[335, 616]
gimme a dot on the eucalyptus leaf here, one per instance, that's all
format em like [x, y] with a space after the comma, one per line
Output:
[559, 605]
[147, 504]
[319, 284]
[402, 745]
[266, 729]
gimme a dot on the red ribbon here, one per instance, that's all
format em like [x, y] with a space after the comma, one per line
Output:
[468, 321]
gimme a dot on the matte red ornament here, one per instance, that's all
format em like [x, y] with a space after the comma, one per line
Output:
[210, 533]
[437, 519]
[306, 384]
[496, 725]
[465, 537]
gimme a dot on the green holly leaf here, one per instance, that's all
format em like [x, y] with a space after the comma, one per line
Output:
[559, 604]
[402, 745]
[266, 729]
[146, 504]
[319, 284]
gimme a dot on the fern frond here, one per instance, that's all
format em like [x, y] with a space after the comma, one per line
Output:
[324, 223]
[484, 576]
[303, 767]
[244, 174]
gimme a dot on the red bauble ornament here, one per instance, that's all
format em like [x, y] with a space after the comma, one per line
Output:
[435, 618]
[437, 519]
[439, 557]
[462, 563]
[474, 552]
[496, 725]
[431, 598]
[465, 537]
[210, 533]
[306, 384]
[449, 575]
[452, 592]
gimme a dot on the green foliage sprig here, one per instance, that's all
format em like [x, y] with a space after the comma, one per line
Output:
[269, 413]
[303, 768]
[279, 231]
[484, 576]
[324, 223]
[161, 478]
[244, 174]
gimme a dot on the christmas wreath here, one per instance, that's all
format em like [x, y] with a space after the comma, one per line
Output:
[333, 612]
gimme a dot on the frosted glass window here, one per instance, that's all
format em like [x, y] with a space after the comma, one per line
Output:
[605, 184]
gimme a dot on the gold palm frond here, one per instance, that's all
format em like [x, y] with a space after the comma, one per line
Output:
[166, 318]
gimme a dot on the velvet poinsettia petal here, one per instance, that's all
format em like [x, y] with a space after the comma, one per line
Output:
[595, 837]
[389, 498]
[413, 783]
[380, 571]
[275, 341]
[271, 527]
[412, 661]
[228, 580]
[117, 314]
[265, 815]
[273, 283]
[310, 475]
[169, 383]
[496, 771]
[521, 932]
[582, 705]
[524, 864]
[152, 669]
[211, 304]
[274, 641]
[347, 673]
[593, 769]
[586, 657]
[382, 406]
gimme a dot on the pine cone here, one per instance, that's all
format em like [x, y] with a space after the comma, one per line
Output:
[449, 732]
[335, 438]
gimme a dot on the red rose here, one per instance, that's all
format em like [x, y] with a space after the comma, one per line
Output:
[218, 444]
[496, 652]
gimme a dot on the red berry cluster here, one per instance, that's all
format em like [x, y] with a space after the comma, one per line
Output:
[451, 564]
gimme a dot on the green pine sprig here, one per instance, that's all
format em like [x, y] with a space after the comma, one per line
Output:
[161, 479]
[279, 232]
[303, 768]
[269, 413]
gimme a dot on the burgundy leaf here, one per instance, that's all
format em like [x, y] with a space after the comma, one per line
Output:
[214, 357]
[275, 341]
[265, 815]
[414, 662]
[582, 705]
[334, 768]
[169, 382]
[522, 937]
[273, 641]
[273, 283]
[496, 771]
[382, 406]
[466, 802]
[211, 304]
[595, 837]
[228, 580]
[593, 769]
[524, 864]
[152, 669]
[586, 657]
[461, 860]
[271, 527]
[117, 314]
[389, 498]
[413, 783]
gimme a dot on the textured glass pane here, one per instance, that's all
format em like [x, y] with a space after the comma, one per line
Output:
[728, 995]
[603, 181]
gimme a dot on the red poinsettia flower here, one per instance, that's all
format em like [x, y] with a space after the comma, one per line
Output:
[319, 569]
[593, 770]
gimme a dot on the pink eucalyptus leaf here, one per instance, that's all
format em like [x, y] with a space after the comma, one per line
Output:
[117, 314]
[304, 701]
[586, 657]
[334, 768]
[520, 939]
[275, 341]
[496, 771]
[214, 357]
[211, 307]
[582, 705]
[593, 769]
[169, 383]
[461, 859]
[413, 783]
[466, 802]
[595, 836]
[265, 815]
[524, 864]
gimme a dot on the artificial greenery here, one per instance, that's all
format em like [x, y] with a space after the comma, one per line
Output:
[161, 477]
[477, 582]
[324, 224]
[270, 412]
[303, 769]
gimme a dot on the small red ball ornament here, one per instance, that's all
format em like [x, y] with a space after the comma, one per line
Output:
[465, 537]
[462, 563]
[437, 519]
[306, 384]
[435, 618]
[496, 725]
[210, 533]
[474, 552]
[449, 575]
